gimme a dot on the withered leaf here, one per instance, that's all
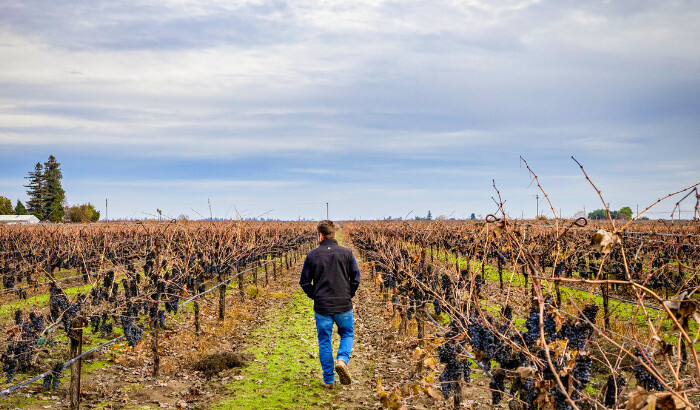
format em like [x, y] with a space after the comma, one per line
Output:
[603, 241]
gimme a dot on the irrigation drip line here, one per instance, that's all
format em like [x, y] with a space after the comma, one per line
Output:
[66, 364]
[681, 235]
[613, 297]
[632, 302]
[626, 234]
[116, 339]
[221, 283]
[4, 292]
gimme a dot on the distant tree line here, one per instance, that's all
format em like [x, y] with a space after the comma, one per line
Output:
[47, 199]
[428, 217]
[622, 213]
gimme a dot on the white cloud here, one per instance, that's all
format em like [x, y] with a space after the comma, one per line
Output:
[403, 95]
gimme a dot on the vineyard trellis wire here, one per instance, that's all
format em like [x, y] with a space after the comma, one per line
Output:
[116, 339]
[220, 249]
[549, 361]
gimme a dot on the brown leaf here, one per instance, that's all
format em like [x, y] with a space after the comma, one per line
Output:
[665, 349]
[683, 309]
[670, 402]
[603, 241]
[418, 353]
[641, 399]
[384, 399]
[433, 393]
[525, 372]
[379, 389]
[430, 362]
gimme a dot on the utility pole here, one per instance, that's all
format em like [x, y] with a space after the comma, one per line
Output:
[637, 209]
[106, 210]
[327, 211]
[537, 198]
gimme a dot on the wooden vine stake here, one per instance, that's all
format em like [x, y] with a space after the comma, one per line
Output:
[402, 314]
[457, 394]
[154, 322]
[197, 326]
[240, 286]
[524, 273]
[266, 277]
[222, 296]
[154, 347]
[76, 349]
[421, 328]
[255, 273]
[500, 272]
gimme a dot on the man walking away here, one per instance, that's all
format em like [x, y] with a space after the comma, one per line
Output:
[330, 277]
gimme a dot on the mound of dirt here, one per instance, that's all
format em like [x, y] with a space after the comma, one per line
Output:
[212, 364]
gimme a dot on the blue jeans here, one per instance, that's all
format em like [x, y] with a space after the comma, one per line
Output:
[324, 329]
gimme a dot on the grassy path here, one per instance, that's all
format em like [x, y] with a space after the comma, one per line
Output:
[286, 372]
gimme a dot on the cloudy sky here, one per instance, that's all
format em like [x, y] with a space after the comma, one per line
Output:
[377, 107]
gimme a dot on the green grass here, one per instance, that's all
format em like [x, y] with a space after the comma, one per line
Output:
[286, 372]
[442, 319]
[20, 401]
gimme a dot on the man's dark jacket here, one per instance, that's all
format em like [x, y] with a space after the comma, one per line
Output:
[330, 277]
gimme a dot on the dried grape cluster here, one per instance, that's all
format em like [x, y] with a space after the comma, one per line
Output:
[53, 379]
[121, 295]
[644, 378]
[497, 386]
[536, 253]
[454, 368]
[20, 349]
[532, 324]
[613, 389]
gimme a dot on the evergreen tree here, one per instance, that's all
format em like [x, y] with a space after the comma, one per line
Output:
[55, 195]
[430, 216]
[36, 192]
[20, 209]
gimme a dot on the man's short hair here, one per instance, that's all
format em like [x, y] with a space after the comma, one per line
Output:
[327, 229]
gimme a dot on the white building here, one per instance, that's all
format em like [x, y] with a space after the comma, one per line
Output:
[18, 219]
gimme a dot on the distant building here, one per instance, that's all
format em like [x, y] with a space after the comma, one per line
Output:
[18, 219]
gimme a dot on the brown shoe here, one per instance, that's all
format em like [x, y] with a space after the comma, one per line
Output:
[342, 369]
[328, 386]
